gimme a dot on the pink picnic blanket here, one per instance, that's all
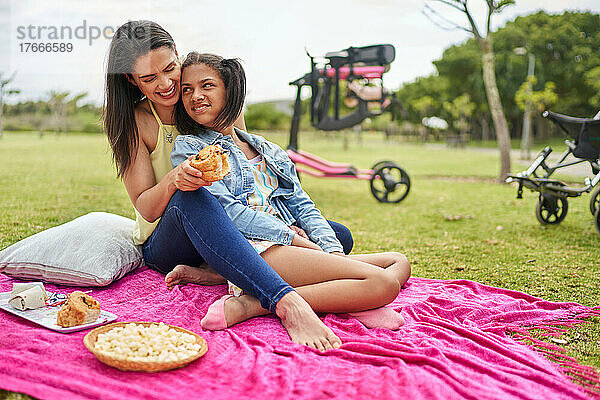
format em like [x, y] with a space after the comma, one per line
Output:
[454, 346]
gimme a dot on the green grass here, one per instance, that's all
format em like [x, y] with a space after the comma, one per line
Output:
[6, 395]
[492, 238]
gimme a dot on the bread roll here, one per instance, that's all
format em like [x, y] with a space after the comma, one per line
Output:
[79, 309]
[212, 161]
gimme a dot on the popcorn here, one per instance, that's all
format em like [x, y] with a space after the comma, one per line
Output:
[156, 342]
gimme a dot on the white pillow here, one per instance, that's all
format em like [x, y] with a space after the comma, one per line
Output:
[92, 250]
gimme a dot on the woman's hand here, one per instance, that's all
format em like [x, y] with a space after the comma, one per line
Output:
[187, 178]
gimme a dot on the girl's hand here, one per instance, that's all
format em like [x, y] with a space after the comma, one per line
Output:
[299, 241]
[187, 178]
[299, 231]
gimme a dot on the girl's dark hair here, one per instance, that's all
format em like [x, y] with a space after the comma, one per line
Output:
[234, 78]
[131, 41]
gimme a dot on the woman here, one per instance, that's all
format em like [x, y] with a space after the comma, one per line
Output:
[177, 220]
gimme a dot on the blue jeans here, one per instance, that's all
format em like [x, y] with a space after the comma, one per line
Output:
[194, 228]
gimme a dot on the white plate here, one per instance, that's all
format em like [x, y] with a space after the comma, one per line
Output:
[46, 316]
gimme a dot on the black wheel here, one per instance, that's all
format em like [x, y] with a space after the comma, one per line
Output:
[382, 163]
[594, 199]
[597, 219]
[551, 210]
[390, 184]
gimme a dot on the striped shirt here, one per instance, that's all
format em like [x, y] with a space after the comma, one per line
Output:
[265, 182]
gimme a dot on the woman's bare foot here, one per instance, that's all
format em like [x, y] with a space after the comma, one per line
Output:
[184, 274]
[230, 310]
[303, 325]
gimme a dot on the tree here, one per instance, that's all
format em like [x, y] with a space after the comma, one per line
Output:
[460, 65]
[565, 48]
[592, 77]
[489, 72]
[461, 109]
[538, 100]
[72, 105]
[423, 97]
[4, 91]
[263, 116]
[58, 107]
[423, 105]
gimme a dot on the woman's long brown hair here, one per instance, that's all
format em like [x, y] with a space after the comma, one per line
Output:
[131, 41]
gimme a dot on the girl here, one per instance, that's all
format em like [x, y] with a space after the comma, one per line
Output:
[178, 221]
[263, 197]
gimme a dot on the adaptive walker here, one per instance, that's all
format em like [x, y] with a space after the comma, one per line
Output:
[584, 144]
[363, 69]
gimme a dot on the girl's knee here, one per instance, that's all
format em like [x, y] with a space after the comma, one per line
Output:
[387, 287]
[404, 269]
[397, 257]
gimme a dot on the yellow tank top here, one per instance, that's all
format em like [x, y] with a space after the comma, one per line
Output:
[161, 164]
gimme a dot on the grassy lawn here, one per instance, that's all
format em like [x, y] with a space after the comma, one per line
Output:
[456, 222]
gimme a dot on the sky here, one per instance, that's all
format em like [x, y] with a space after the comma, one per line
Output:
[269, 36]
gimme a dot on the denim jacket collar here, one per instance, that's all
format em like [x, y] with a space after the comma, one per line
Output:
[211, 137]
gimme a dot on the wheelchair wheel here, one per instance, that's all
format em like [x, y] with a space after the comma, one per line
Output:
[597, 219]
[390, 184]
[551, 210]
[381, 163]
[594, 200]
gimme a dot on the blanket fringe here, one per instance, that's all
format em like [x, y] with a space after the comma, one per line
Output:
[586, 376]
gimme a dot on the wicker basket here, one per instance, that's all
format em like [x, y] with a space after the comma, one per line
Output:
[146, 366]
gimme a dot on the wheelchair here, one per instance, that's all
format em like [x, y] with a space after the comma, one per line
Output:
[583, 143]
[362, 68]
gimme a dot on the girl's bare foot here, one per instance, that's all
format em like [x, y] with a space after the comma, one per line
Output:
[303, 325]
[184, 274]
[382, 317]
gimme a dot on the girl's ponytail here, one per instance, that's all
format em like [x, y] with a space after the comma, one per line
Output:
[233, 73]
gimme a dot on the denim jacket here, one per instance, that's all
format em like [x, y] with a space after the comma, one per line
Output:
[289, 200]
